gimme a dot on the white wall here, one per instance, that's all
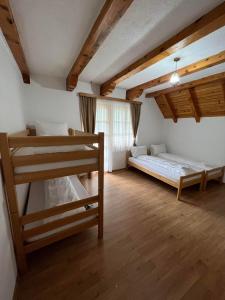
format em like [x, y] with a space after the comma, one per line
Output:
[11, 120]
[204, 141]
[46, 99]
[50, 101]
[151, 121]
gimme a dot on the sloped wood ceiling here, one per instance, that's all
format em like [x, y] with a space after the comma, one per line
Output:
[206, 100]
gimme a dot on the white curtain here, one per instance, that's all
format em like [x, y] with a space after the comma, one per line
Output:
[114, 119]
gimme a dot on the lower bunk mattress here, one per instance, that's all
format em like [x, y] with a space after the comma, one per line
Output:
[37, 202]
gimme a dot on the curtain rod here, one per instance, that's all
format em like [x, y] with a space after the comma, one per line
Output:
[109, 98]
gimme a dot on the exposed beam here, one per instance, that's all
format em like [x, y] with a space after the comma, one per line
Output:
[200, 28]
[193, 100]
[170, 108]
[110, 14]
[200, 65]
[188, 85]
[11, 34]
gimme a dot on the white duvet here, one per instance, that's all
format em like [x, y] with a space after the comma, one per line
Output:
[198, 166]
[169, 169]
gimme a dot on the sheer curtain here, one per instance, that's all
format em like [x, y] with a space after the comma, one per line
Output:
[114, 119]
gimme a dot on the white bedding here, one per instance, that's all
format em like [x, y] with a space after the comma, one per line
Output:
[41, 150]
[195, 165]
[37, 202]
[169, 169]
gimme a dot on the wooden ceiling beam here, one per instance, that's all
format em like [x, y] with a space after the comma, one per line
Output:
[11, 34]
[170, 108]
[188, 85]
[205, 63]
[208, 23]
[110, 14]
[193, 100]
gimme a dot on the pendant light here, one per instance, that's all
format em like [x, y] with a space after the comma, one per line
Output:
[175, 78]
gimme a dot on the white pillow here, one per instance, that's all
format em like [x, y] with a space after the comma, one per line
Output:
[138, 150]
[51, 128]
[157, 149]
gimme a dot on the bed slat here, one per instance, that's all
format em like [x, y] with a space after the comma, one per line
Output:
[54, 173]
[40, 215]
[26, 160]
[58, 223]
[60, 235]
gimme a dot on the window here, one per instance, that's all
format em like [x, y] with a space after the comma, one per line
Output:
[114, 119]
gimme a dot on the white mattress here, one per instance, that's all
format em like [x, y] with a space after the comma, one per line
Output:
[36, 203]
[195, 165]
[169, 169]
[41, 150]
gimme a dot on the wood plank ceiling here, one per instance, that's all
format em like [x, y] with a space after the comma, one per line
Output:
[200, 98]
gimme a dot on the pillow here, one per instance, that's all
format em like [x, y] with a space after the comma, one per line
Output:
[157, 149]
[138, 150]
[51, 128]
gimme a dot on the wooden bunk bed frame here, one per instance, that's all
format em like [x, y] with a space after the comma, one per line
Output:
[11, 179]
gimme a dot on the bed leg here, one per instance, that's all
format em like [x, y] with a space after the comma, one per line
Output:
[202, 184]
[180, 187]
[221, 178]
[12, 205]
[179, 193]
[101, 185]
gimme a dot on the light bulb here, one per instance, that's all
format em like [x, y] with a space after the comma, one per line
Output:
[175, 78]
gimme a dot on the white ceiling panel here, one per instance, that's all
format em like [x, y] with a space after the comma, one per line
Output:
[146, 24]
[207, 46]
[53, 31]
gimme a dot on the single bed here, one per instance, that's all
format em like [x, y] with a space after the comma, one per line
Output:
[211, 172]
[167, 171]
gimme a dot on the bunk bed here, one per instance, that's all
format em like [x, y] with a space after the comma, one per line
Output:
[59, 157]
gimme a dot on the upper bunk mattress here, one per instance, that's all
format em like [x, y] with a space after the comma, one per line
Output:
[169, 169]
[41, 150]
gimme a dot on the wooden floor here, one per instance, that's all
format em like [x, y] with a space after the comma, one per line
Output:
[154, 247]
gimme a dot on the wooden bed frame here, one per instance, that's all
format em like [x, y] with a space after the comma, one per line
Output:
[203, 177]
[11, 179]
[214, 174]
[185, 181]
